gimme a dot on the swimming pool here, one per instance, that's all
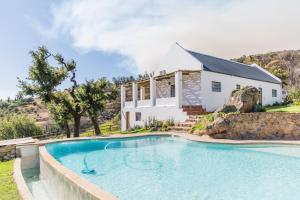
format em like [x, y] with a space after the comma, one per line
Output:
[165, 167]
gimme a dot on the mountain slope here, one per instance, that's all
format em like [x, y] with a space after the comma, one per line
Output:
[284, 64]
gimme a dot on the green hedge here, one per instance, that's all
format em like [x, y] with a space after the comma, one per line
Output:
[18, 126]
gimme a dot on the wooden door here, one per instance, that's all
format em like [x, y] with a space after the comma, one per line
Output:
[127, 120]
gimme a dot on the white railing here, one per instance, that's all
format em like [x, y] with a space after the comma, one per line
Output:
[128, 104]
[143, 103]
[168, 101]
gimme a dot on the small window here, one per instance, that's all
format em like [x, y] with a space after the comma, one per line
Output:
[274, 93]
[238, 86]
[216, 86]
[172, 90]
[138, 116]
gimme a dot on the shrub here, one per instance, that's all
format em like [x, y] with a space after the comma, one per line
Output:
[294, 94]
[153, 124]
[18, 126]
[204, 121]
[296, 103]
[259, 108]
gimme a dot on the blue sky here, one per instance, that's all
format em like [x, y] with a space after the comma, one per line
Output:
[116, 37]
[18, 36]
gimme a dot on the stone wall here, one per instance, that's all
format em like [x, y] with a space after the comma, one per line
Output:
[7, 152]
[191, 89]
[274, 126]
[163, 88]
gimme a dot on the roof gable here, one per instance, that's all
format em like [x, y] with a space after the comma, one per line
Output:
[178, 58]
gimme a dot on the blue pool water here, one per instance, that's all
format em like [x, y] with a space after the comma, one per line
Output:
[164, 167]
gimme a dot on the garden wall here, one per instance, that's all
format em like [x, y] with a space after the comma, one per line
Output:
[274, 126]
[7, 152]
[8, 148]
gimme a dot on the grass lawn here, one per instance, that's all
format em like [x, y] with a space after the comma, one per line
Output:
[286, 108]
[109, 128]
[8, 188]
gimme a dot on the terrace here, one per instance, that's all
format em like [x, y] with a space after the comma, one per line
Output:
[180, 88]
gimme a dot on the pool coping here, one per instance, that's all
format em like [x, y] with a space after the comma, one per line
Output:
[188, 136]
[23, 189]
[80, 182]
[100, 193]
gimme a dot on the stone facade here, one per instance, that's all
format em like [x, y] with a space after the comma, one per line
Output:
[163, 87]
[191, 89]
[260, 126]
[7, 152]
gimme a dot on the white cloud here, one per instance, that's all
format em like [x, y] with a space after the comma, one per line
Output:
[143, 30]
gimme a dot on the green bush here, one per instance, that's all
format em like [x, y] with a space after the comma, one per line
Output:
[153, 124]
[259, 108]
[204, 121]
[18, 126]
[294, 94]
[296, 103]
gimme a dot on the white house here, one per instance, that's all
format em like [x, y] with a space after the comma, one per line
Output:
[192, 83]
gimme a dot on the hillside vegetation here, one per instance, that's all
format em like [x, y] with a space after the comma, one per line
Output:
[30, 107]
[284, 64]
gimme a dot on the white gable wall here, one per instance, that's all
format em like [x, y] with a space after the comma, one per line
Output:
[213, 100]
[177, 58]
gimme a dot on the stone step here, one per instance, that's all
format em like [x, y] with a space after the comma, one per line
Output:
[186, 124]
[192, 120]
[195, 116]
[180, 128]
[194, 112]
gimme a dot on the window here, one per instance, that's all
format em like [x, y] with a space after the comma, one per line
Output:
[138, 116]
[238, 86]
[274, 93]
[216, 86]
[172, 90]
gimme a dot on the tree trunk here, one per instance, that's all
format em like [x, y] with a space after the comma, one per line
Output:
[77, 126]
[67, 128]
[96, 125]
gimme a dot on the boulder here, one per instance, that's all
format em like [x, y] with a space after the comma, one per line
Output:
[243, 100]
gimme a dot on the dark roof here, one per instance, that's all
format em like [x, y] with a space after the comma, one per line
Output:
[223, 66]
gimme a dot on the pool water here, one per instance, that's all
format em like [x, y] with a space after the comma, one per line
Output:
[35, 185]
[165, 167]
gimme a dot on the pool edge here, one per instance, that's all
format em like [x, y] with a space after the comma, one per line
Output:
[20, 181]
[84, 188]
[96, 192]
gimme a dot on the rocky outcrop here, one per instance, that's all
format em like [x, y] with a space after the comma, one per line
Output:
[274, 126]
[243, 100]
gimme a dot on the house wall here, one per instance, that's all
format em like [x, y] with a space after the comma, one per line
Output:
[163, 88]
[213, 100]
[191, 89]
[159, 112]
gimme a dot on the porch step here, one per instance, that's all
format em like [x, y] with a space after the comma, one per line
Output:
[194, 110]
[187, 125]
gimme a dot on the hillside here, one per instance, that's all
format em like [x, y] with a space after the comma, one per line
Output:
[31, 107]
[284, 64]
[35, 109]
